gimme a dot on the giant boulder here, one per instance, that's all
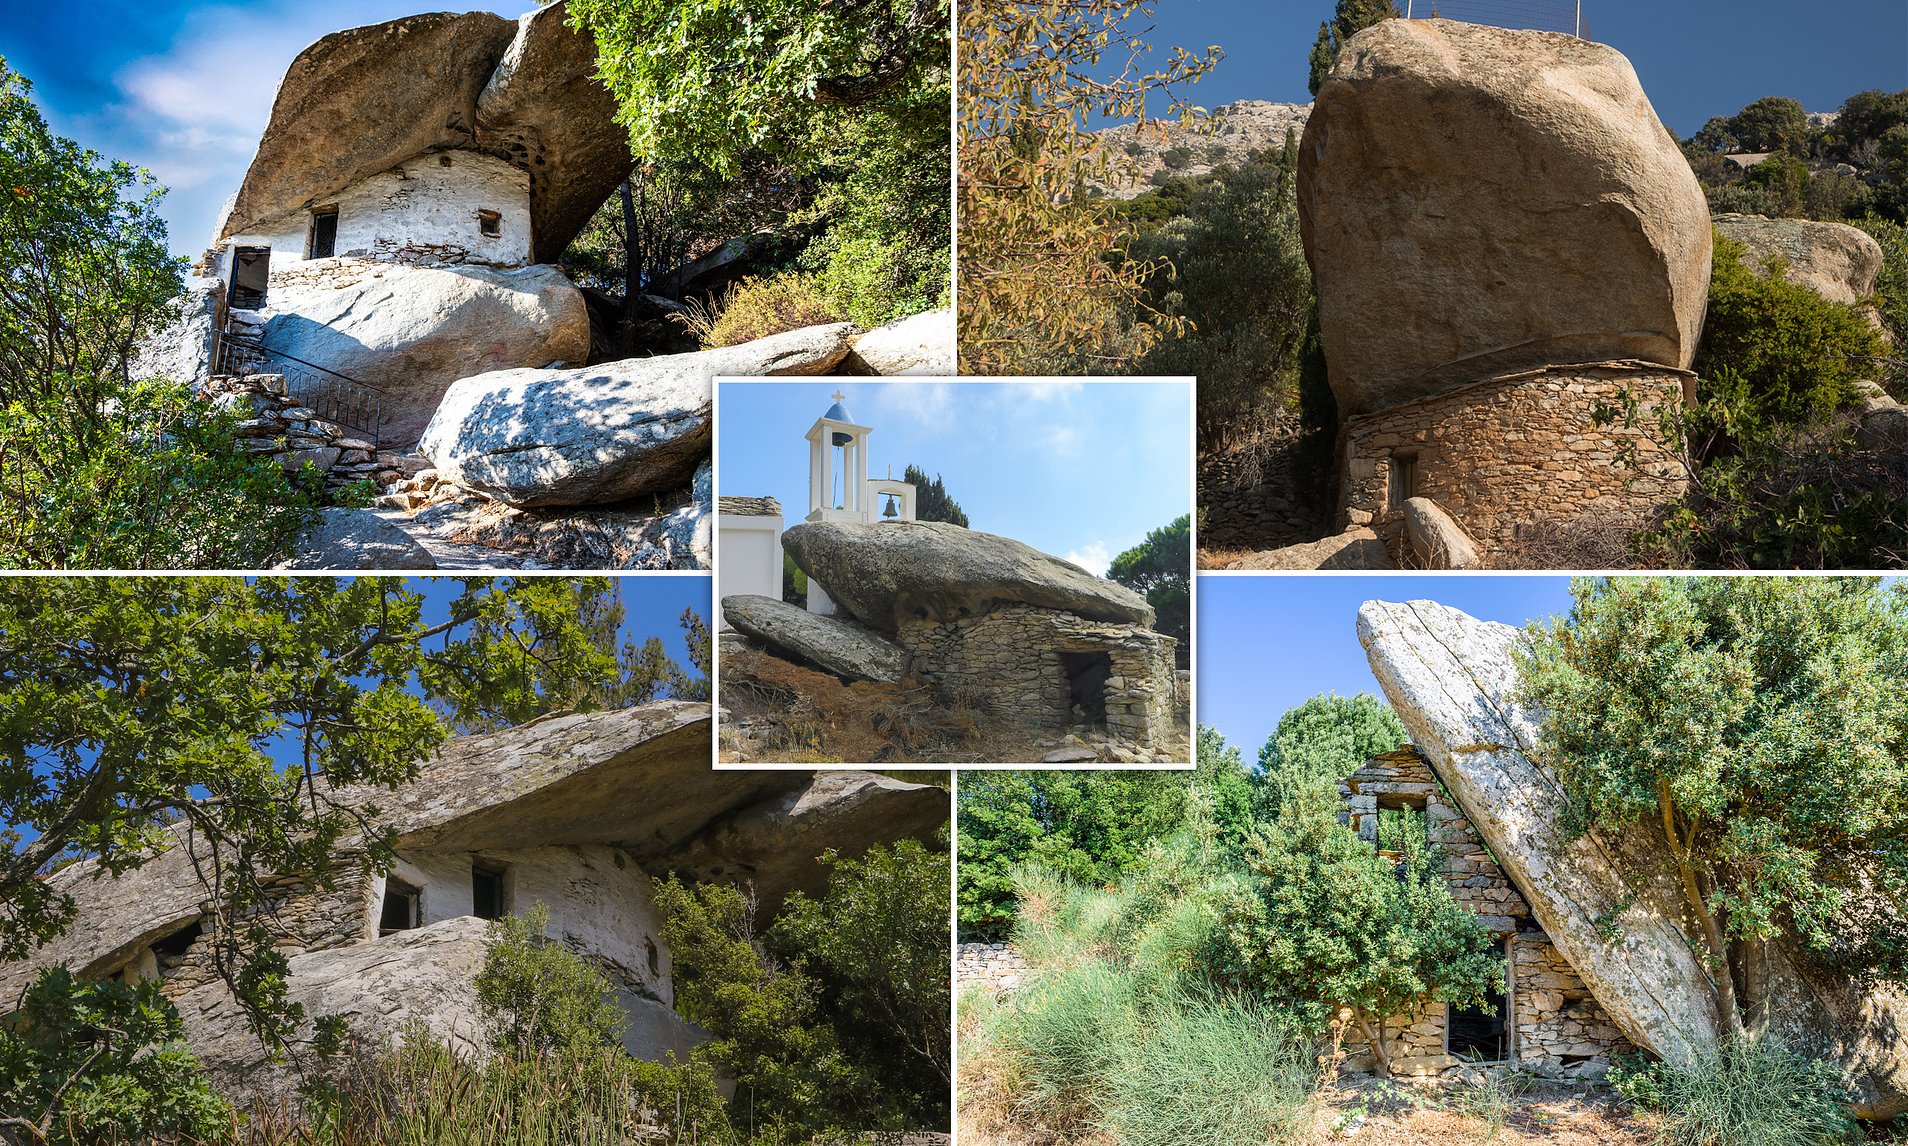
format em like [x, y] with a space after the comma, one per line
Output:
[884, 573]
[1610, 900]
[182, 352]
[602, 434]
[841, 647]
[409, 332]
[344, 538]
[1835, 260]
[922, 344]
[1476, 201]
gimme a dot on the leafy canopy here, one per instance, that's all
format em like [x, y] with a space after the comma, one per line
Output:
[1759, 727]
[225, 715]
[1160, 569]
[1323, 740]
[932, 502]
[539, 998]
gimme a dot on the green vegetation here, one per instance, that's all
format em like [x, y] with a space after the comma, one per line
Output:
[932, 502]
[539, 998]
[757, 308]
[1744, 1094]
[238, 707]
[827, 128]
[88, 1063]
[1323, 739]
[101, 467]
[1160, 568]
[1700, 710]
[1349, 17]
[1853, 169]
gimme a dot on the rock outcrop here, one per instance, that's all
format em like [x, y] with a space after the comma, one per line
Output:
[1356, 548]
[884, 573]
[841, 647]
[410, 332]
[182, 352]
[1479, 200]
[922, 344]
[1609, 901]
[523, 91]
[355, 539]
[1437, 540]
[602, 434]
[1835, 260]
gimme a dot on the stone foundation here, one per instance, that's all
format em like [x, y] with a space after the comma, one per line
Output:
[1010, 662]
[274, 423]
[1510, 451]
[994, 965]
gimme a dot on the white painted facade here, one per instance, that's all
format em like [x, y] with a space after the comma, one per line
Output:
[434, 204]
[838, 484]
[751, 557]
[600, 904]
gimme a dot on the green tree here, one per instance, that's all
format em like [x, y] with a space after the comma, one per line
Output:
[223, 715]
[539, 998]
[1323, 740]
[1349, 18]
[876, 942]
[1324, 923]
[771, 1036]
[1773, 123]
[1756, 727]
[932, 502]
[1160, 569]
[86, 1063]
[99, 468]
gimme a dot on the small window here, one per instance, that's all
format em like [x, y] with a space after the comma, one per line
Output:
[400, 911]
[324, 233]
[175, 945]
[1404, 478]
[488, 899]
[490, 223]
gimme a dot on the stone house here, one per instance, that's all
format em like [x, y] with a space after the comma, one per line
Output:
[578, 813]
[1543, 1015]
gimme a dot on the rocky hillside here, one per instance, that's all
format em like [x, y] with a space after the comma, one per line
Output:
[1226, 136]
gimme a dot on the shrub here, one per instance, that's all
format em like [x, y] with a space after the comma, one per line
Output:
[1793, 354]
[1210, 1070]
[1891, 292]
[92, 1064]
[1065, 1031]
[539, 997]
[1749, 1093]
[757, 308]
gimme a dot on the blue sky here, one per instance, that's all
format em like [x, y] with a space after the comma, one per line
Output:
[1267, 643]
[184, 87]
[1078, 470]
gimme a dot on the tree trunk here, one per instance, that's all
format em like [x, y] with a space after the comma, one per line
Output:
[632, 274]
[1377, 1040]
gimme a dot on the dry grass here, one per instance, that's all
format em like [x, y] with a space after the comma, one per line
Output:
[756, 308]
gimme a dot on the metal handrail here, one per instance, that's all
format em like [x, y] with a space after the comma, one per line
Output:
[346, 401]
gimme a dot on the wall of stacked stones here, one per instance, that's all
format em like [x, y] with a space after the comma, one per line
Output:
[995, 965]
[1515, 450]
[1008, 662]
[1557, 1017]
[301, 915]
[274, 423]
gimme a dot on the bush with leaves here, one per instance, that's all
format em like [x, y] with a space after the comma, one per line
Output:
[1160, 568]
[1323, 739]
[932, 502]
[539, 998]
[99, 1063]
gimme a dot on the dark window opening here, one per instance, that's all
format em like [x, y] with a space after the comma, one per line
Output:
[1475, 1034]
[487, 898]
[655, 956]
[1404, 478]
[324, 233]
[176, 944]
[400, 912]
[1087, 674]
[490, 223]
[251, 273]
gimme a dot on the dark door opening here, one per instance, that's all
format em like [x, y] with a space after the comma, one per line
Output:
[400, 912]
[251, 272]
[1475, 1035]
[324, 233]
[487, 898]
[1087, 674]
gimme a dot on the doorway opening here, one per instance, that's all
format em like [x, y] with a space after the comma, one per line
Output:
[1475, 1034]
[324, 233]
[489, 897]
[1087, 675]
[251, 273]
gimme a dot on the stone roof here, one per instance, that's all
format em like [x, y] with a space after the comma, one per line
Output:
[639, 779]
[368, 99]
[749, 506]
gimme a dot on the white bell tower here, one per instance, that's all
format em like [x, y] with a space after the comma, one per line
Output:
[838, 492]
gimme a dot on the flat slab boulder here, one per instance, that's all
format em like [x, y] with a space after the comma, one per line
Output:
[1478, 200]
[841, 647]
[922, 344]
[1835, 260]
[602, 434]
[1609, 901]
[1356, 548]
[410, 332]
[883, 573]
[356, 539]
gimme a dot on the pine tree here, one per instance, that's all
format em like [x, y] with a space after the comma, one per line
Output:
[1350, 18]
[931, 500]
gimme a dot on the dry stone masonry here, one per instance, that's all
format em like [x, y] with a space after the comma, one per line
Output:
[994, 966]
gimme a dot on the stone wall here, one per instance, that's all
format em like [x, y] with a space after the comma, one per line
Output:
[1553, 1018]
[1008, 662]
[1513, 450]
[995, 965]
[274, 423]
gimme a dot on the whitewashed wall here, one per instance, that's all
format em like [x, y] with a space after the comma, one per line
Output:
[417, 205]
[751, 558]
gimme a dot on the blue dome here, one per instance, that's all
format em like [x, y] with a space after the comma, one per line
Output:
[838, 414]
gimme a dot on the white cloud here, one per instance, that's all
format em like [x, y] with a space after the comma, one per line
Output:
[930, 405]
[1093, 558]
[1049, 389]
